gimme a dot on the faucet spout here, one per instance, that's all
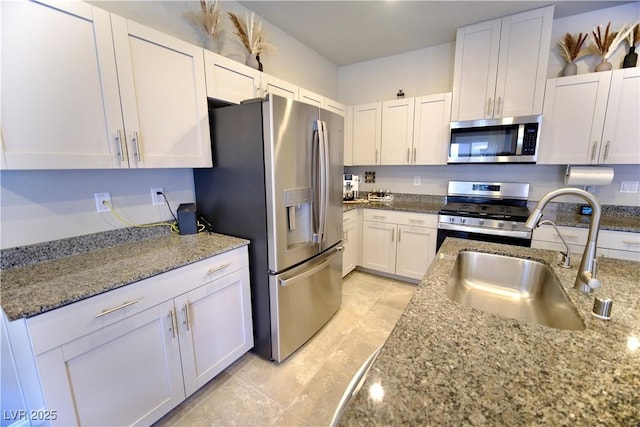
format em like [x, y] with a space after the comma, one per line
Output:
[586, 280]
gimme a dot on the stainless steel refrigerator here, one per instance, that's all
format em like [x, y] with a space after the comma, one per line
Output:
[277, 181]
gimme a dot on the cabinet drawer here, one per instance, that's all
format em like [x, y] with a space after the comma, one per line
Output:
[573, 235]
[350, 217]
[404, 218]
[619, 240]
[67, 323]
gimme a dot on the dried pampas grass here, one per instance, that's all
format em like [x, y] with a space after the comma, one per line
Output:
[208, 17]
[251, 34]
[571, 46]
[605, 44]
[633, 38]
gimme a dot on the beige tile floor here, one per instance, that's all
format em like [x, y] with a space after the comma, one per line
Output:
[305, 389]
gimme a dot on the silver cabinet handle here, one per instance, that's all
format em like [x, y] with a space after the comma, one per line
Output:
[606, 150]
[408, 155]
[136, 147]
[416, 221]
[393, 234]
[498, 106]
[376, 155]
[185, 314]
[120, 307]
[629, 242]
[119, 147]
[346, 236]
[593, 150]
[489, 105]
[218, 268]
[382, 217]
[415, 154]
[172, 322]
[399, 235]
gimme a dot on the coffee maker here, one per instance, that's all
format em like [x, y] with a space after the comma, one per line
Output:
[350, 187]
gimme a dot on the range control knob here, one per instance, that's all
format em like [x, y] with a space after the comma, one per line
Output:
[514, 225]
[451, 219]
[481, 222]
[462, 221]
[501, 224]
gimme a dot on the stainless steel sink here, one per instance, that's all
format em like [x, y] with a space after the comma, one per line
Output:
[517, 288]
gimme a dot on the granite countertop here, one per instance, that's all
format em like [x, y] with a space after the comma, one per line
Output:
[34, 289]
[448, 364]
[614, 218]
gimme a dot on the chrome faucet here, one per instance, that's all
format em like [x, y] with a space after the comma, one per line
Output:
[586, 280]
[566, 256]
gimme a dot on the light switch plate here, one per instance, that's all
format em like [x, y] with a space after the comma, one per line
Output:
[629, 186]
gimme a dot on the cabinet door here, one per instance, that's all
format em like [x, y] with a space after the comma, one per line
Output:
[164, 98]
[416, 250]
[574, 111]
[215, 327]
[351, 241]
[431, 131]
[397, 132]
[348, 136]
[276, 86]
[309, 97]
[379, 246]
[621, 136]
[335, 107]
[367, 127]
[124, 374]
[525, 40]
[474, 74]
[60, 100]
[229, 80]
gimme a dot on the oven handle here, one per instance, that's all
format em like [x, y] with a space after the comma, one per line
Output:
[481, 230]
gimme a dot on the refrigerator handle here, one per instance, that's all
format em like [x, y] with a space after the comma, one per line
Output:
[320, 179]
[325, 164]
[311, 271]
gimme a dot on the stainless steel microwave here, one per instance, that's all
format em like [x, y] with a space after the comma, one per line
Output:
[509, 140]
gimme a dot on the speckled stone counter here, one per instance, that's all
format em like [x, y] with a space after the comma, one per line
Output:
[448, 364]
[33, 289]
[615, 218]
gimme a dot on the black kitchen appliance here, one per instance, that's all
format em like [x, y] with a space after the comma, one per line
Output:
[485, 211]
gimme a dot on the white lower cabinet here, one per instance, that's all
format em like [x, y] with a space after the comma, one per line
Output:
[398, 243]
[611, 244]
[130, 355]
[351, 240]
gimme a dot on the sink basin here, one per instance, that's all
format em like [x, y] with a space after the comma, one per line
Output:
[517, 288]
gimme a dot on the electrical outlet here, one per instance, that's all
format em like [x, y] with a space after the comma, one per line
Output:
[416, 180]
[100, 199]
[629, 186]
[157, 199]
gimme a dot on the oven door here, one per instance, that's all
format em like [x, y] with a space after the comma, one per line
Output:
[509, 240]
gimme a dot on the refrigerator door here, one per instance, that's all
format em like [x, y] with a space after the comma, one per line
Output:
[303, 299]
[290, 143]
[334, 134]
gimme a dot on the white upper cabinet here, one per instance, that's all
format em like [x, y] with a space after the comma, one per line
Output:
[164, 98]
[348, 136]
[276, 86]
[500, 66]
[592, 119]
[85, 89]
[311, 98]
[60, 101]
[367, 128]
[335, 106]
[229, 80]
[431, 131]
[621, 134]
[397, 132]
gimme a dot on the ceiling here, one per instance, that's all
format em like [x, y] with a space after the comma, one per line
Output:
[348, 32]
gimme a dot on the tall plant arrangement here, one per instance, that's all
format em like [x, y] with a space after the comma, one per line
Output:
[604, 43]
[208, 18]
[251, 34]
[571, 50]
[633, 39]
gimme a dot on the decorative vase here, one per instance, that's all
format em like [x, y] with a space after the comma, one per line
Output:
[252, 61]
[570, 69]
[631, 58]
[211, 44]
[603, 66]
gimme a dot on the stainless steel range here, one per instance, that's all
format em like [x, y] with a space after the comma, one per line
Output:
[485, 211]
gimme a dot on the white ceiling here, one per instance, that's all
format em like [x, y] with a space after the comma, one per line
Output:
[348, 32]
